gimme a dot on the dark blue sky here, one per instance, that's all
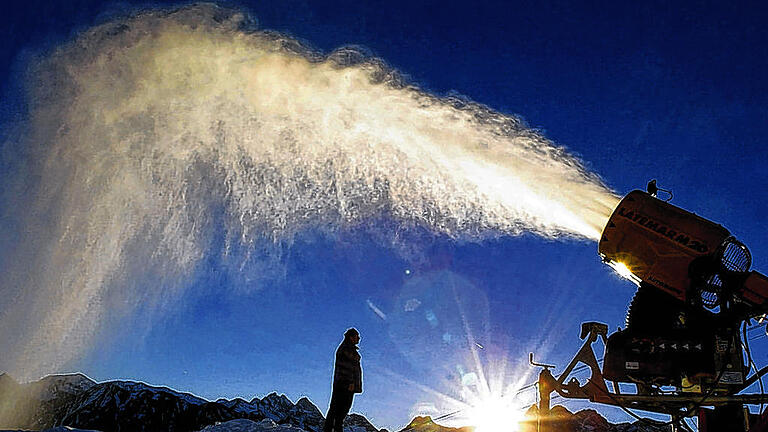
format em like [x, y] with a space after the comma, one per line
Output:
[668, 90]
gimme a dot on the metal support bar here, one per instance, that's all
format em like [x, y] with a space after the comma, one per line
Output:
[596, 390]
[683, 400]
[546, 385]
[590, 330]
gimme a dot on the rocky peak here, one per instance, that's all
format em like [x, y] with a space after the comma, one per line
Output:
[587, 420]
[275, 407]
[305, 415]
[426, 424]
[51, 386]
[78, 378]
[236, 402]
[156, 392]
[273, 399]
[358, 423]
[304, 404]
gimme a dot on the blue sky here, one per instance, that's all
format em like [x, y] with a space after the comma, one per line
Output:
[672, 91]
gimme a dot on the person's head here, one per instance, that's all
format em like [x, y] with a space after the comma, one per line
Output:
[352, 335]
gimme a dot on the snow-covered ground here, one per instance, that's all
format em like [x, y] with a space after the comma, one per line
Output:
[56, 429]
[243, 425]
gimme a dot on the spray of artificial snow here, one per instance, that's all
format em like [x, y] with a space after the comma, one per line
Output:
[150, 136]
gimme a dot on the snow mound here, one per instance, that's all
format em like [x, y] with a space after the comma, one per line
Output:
[68, 429]
[243, 425]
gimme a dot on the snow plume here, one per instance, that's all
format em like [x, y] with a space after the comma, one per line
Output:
[151, 137]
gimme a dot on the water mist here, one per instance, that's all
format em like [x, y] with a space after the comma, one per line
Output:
[149, 136]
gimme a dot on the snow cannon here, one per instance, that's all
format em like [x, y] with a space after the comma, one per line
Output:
[695, 290]
[685, 346]
[692, 259]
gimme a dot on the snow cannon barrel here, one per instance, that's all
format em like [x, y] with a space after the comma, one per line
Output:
[691, 258]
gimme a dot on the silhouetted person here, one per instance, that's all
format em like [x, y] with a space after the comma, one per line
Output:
[347, 380]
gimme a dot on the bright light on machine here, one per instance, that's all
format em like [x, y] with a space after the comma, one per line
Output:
[624, 271]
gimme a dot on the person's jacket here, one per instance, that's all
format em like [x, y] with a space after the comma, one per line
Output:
[347, 369]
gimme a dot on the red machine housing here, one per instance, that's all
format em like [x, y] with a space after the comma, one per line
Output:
[661, 244]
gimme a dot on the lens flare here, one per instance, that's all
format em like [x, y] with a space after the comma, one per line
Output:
[441, 325]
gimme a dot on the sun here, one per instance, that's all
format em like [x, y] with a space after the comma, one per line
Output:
[495, 414]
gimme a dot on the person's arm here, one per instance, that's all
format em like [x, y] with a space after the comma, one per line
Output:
[358, 376]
